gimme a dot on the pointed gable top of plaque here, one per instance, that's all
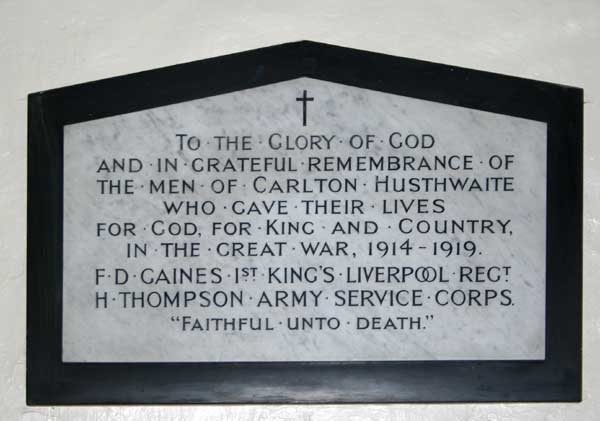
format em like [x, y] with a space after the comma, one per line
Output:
[233, 72]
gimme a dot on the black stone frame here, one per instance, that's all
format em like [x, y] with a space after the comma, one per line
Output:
[557, 378]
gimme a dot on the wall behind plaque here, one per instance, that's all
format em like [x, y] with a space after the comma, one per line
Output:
[50, 44]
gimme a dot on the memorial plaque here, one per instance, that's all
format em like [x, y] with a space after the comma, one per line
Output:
[305, 223]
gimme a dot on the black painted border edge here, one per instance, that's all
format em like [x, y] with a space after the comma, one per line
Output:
[558, 378]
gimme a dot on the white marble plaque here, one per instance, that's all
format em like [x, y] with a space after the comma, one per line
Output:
[304, 221]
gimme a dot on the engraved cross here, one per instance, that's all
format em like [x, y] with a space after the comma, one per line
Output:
[304, 100]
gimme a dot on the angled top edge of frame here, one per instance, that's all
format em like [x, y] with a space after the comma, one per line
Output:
[305, 48]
